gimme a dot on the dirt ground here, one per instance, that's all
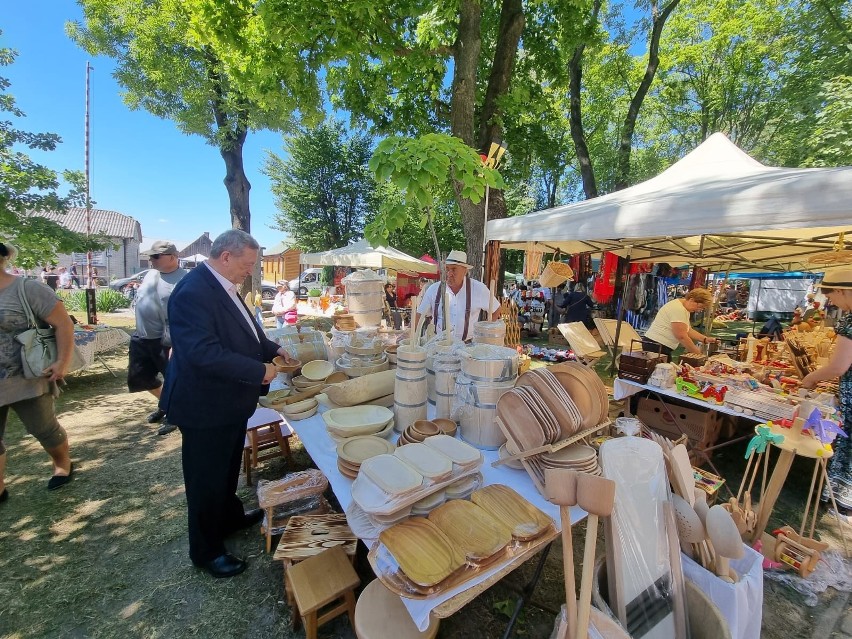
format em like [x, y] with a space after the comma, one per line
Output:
[106, 556]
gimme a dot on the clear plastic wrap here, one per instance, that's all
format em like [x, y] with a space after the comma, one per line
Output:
[645, 580]
[832, 571]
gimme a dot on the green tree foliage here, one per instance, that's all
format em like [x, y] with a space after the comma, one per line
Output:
[27, 187]
[323, 189]
[210, 67]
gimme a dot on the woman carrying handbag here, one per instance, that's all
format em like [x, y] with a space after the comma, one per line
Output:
[32, 399]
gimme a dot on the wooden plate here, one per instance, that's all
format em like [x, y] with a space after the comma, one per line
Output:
[472, 530]
[391, 474]
[525, 520]
[519, 420]
[423, 552]
[426, 461]
[459, 452]
[503, 453]
[575, 454]
[356, 450]
[553, 403]
[585, 398]
[346, 471]
[594, 383]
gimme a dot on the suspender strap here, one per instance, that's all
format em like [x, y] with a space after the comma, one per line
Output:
[466, 308]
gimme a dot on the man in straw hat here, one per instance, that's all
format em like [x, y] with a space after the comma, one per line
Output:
[468, 299]
[837, 287]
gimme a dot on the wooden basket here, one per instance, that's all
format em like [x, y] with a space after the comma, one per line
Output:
[555, 273]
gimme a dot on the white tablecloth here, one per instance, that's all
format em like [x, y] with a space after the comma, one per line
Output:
[323, 450]
[622, 388]
[90, 343]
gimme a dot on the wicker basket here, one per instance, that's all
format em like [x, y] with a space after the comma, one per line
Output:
[555, 273]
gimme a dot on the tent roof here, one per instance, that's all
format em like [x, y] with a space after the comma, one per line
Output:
[715, 207]
[362, 255]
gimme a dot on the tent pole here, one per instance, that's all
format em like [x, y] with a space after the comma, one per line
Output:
[620, 311]
[710, 314]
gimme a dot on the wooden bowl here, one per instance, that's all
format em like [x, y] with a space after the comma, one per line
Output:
[336, 377]
[446, 426]
[317, 370]
[425, 427]
[283, 367]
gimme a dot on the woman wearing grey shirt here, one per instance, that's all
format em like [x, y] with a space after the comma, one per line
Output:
[32, 399]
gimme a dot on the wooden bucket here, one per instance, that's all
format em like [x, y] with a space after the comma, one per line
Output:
[489, 363]
[489, 333]
[477, 411]
[410, 390]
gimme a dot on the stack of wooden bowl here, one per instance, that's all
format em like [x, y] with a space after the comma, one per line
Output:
[300, 410]
[353, 451]
[362, 357]
[418, 431]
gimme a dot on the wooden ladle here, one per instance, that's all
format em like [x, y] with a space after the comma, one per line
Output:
[561, 488]
[690, 529]
[726, 540]
[595, 495]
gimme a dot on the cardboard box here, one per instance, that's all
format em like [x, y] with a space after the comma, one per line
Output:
[701, 426]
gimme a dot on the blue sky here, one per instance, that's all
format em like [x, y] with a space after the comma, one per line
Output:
[141, 165]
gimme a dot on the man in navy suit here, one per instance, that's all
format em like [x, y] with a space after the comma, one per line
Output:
[218, 369]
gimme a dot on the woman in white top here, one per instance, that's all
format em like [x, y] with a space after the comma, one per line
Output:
[284, 305]
[671, 327]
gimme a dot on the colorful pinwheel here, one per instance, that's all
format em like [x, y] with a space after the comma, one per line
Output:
[823, 429]
[763, 437]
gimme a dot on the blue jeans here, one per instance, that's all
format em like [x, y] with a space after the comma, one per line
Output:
[280, 321]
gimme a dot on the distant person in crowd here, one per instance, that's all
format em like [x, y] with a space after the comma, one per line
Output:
[837, 286]
[52, 278]
[771, 329]
[284, 305]
[671, 327]
[469, 299]
[731, 296]
[577, 305]
[151, 343]
[32, 399]
[220, 365]
[390, 295]
[75, 276]
[43, 275]
[813, 312]
[797, 317]
[64, 278]
[93, 277]
[255, 302]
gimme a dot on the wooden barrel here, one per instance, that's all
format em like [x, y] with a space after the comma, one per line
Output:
[446, 369]
[489, 363]
[365, 300]
[489, 333]
[410, 391]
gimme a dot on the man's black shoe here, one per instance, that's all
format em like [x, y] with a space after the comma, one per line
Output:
[252, 518]
[156, 416]
[166, 427]
[225, 565]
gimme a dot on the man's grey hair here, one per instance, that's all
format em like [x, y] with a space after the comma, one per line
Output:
[233, 241]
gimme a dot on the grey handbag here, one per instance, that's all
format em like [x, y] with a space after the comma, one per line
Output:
[38, 345]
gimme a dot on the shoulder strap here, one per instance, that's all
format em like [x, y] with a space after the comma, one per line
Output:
[28, 310]
[467, 307]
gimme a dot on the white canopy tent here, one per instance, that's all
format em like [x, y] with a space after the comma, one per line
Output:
[717, 208]
[197, 258]
[362, 255]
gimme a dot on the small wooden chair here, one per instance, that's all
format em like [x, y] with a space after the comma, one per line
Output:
[267, 432]
[380, 614]
[293, 491]
[308, 535]
[326, 579]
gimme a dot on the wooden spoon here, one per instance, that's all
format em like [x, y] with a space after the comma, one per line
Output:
[726, 540]
[596, 495]
[690, 529]
[561, 488]
[701, 509]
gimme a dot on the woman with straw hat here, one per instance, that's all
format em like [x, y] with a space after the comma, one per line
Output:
[837, 286]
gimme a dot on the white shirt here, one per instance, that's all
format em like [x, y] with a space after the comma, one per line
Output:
[231, 290]
[480, 299]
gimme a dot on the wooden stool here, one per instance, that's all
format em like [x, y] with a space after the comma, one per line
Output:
[294, 488]
[326, 578]
[266, 430]
[309, 535]
[380, 614]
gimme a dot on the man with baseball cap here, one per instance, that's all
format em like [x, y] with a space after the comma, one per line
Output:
[469, 299]
[150, 344]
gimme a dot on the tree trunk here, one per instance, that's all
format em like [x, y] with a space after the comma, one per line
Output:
[578, 133]
[626, 141]
[237, 185]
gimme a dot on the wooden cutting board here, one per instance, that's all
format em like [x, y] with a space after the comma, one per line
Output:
[525, 520]
[423, 552]
[473, 530]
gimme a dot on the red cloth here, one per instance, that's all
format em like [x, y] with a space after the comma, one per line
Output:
[605, 283]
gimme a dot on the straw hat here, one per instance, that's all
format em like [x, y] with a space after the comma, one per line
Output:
[840, 278]
[457, 258]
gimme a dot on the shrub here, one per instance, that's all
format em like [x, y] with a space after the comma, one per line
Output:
[314, 292]
[108, 301]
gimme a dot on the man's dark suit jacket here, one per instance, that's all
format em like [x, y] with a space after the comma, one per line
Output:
[215, 372]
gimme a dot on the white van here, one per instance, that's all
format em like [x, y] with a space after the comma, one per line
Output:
[310, 278]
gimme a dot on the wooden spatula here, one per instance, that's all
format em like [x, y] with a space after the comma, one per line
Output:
[561, 488]
[596, 495]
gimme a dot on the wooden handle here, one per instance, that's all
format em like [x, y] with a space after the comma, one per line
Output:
[305, 394]
[586, 583]
[568, 571]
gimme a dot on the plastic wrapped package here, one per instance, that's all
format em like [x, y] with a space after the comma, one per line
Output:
[644, 574]
[317, 505]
